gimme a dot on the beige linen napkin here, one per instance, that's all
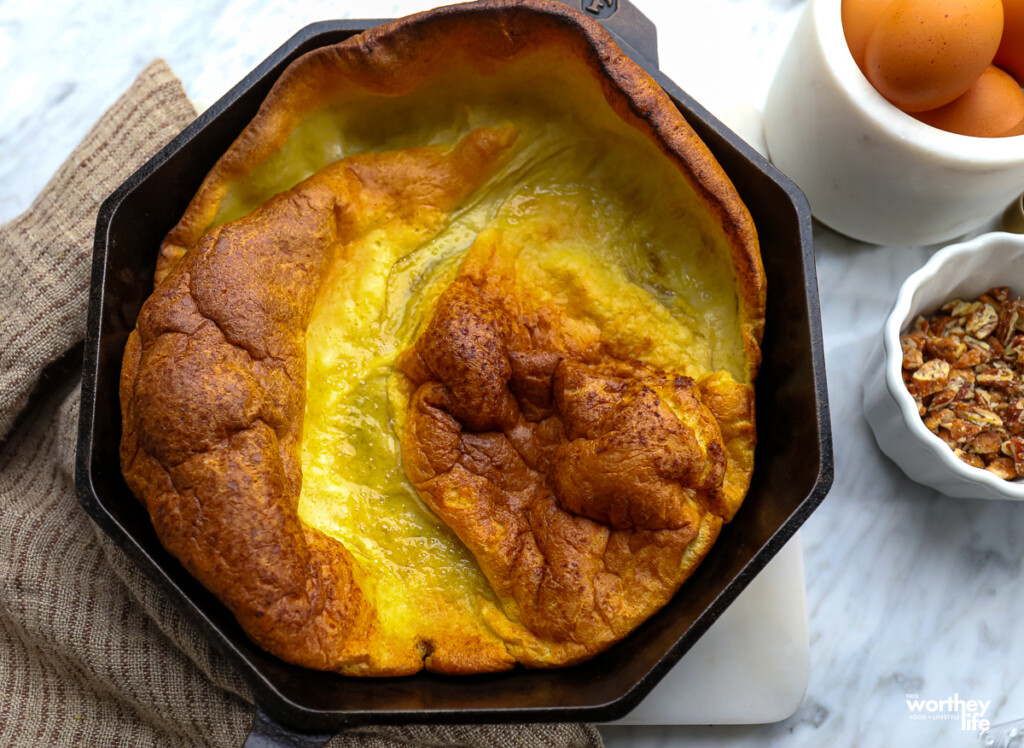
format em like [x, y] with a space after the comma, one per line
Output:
[91, 652]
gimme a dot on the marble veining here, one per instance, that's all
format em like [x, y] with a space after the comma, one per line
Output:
[909, 592]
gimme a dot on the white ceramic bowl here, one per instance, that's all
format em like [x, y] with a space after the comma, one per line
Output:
[869, 170]
[961, 270]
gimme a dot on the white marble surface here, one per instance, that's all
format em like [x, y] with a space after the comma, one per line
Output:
[908, 591]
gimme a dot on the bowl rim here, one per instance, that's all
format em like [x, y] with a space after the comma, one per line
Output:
[953, 148]
[902, 315]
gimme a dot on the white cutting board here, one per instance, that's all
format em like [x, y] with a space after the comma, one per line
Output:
[752, 665]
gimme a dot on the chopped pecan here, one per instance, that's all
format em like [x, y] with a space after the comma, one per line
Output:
[977, 352]
[982, 322]
[978, 415]
[964, 367]
[1000, 293]
[962, 431]
[913, 339]
[937, 325]
[1017, 453]
[1003, 467]
[961, 380]
[996, 377]
[912, 358]
[949, 348]
[942, 398]
[1013, 348]
[987, 442]
[931, 377]
[971, 459]
[1013, 417]
[1008, 315]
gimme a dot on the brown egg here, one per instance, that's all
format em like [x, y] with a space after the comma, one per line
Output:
[859, 19]
[925, 53]
[1010, 56]
[993, 107]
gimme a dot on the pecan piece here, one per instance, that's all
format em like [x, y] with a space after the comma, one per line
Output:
[942, 398]
[996, 377]
[1003, 467]
[1017, 453]
[978, 415]
[949, 348]
[978, 352]
[1013, 417]
[971, 459]
[987, 442]
[912, 358]
[982, 322]
[931, 377]
[999, 293]
[913, 339]
[939, 326]
[962, 431]
[1008, 315]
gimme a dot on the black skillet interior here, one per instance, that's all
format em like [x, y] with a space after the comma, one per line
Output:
[793, 462]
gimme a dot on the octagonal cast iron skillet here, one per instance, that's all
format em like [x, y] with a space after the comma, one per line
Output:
[296, 706]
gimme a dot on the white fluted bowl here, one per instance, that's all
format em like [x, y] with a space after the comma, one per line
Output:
[963, 270]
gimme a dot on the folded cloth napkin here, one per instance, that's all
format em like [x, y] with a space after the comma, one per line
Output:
[91, 652]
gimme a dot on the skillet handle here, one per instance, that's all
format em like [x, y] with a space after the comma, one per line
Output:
[266, 732]
[625, 19]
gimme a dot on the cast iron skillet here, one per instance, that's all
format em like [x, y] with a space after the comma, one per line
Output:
[793, 466]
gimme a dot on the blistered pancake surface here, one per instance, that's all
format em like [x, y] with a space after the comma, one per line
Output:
[452, 368]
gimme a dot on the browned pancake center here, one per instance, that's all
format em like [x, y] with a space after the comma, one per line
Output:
[579, 482]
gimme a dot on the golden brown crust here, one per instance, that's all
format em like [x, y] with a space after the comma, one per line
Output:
[578, 550]
[587, 488]
[396, 57]
[212, 394]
